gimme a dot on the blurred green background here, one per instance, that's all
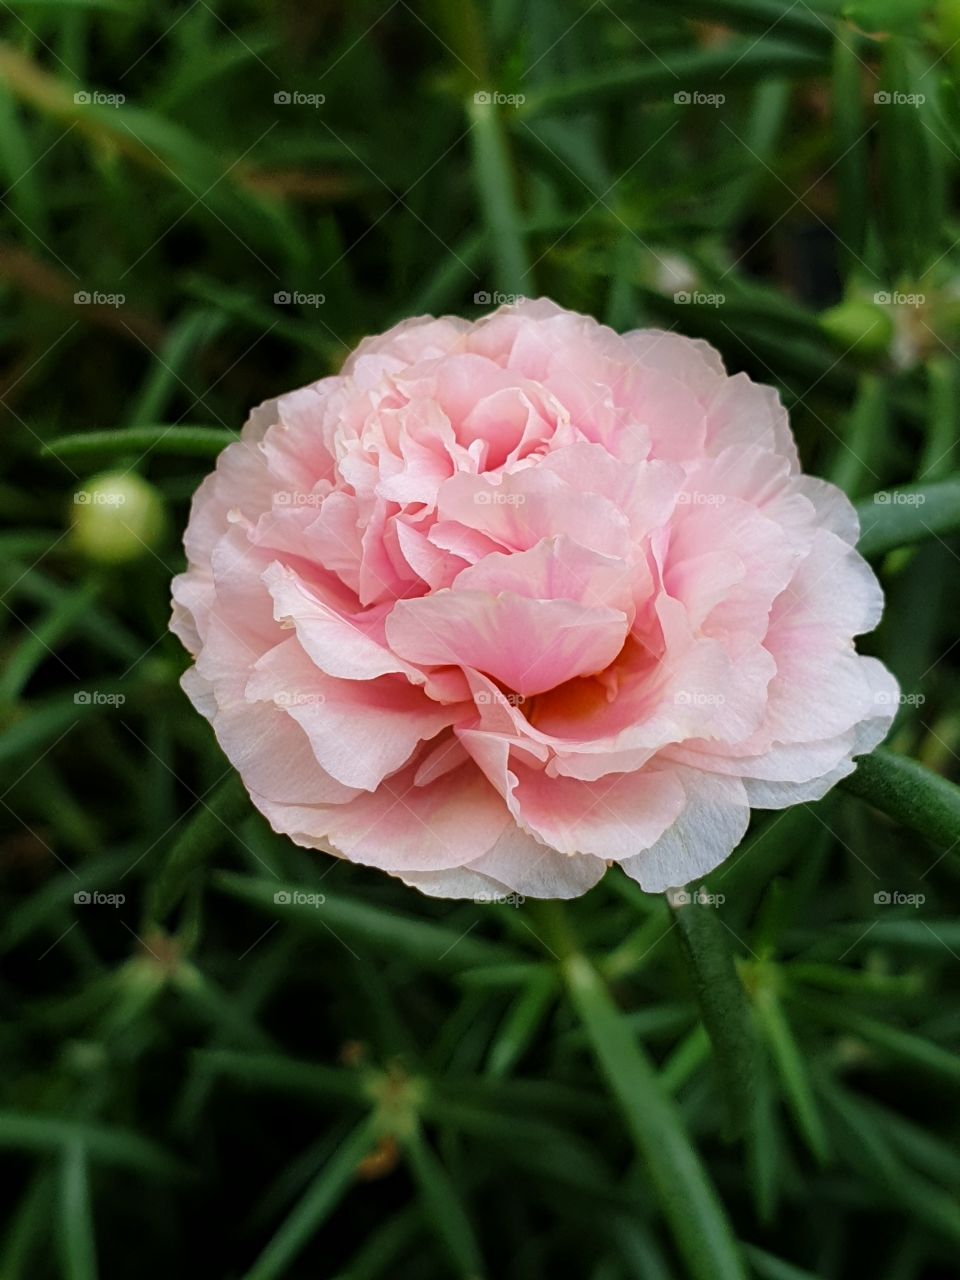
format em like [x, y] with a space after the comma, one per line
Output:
[205, 204]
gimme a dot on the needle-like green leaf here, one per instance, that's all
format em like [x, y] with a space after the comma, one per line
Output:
[687, 1197]
[912, 513]
[78, 1245]
[318, 1202]
[182, 441]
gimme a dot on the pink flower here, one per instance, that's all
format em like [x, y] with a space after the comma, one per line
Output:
[506, 602]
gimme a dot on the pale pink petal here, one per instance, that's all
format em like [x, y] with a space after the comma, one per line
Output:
[609, 819]
[338, 645]
[401, 827]
[527, 506]
[360, 730]
[531, 868]
[711, 823]
[556, 569]
[456, 882]
[474, 629]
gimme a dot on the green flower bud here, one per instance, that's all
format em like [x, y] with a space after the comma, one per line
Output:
[117, 517]
[861, 326]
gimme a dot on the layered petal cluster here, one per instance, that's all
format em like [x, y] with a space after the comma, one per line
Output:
[505, 602]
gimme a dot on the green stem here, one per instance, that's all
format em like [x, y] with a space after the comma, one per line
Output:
[909, 793]
[723, 1005]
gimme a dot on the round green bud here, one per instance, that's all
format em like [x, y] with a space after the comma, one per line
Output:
[117, 517]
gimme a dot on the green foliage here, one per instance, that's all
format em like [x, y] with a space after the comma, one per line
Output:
[225, 1056]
